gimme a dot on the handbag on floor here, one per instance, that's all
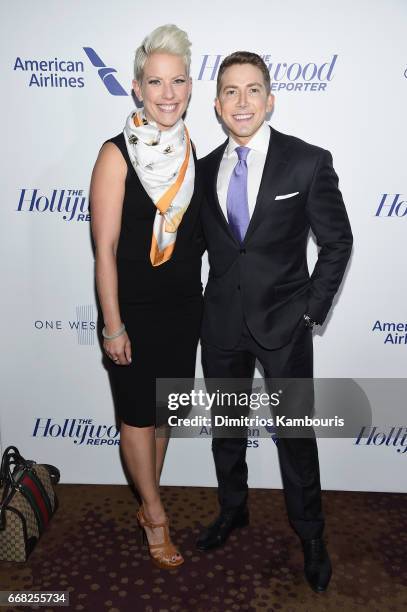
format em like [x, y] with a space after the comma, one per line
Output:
[27, 503]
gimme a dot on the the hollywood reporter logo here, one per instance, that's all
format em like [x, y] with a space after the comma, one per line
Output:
[82, 432]
[68, 204]
[395, 438]
[392, 205]
[289, 76]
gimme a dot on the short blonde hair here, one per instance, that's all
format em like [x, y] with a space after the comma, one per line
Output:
[165, 39]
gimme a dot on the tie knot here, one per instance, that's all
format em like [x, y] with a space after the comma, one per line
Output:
[242, 153]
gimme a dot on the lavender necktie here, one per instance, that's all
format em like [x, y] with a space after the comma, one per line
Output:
[236, 203]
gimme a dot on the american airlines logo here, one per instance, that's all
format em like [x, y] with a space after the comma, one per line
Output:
[392, 332]
[106, 73]
[61, 72]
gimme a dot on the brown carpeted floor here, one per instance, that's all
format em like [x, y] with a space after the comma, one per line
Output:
[92, 549]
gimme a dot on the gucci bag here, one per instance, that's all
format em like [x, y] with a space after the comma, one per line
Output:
[27, 503]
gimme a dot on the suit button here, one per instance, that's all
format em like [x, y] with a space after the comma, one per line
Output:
[238, 287]
[242, 251]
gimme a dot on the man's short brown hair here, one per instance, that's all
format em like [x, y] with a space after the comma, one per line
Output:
[244, 57]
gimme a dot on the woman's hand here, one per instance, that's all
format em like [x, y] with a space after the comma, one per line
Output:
[118, 349]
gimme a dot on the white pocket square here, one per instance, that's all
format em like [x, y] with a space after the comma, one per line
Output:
[287, 195]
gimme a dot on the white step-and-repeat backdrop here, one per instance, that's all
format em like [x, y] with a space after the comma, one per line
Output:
[339, 74]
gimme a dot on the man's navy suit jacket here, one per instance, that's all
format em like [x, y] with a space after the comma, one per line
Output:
[265, 280]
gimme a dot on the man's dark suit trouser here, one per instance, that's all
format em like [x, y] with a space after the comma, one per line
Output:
[298, 456]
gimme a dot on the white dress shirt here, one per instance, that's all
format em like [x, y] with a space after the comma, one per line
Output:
[256, 158]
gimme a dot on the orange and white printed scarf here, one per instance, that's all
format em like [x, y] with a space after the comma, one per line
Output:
[164, 163]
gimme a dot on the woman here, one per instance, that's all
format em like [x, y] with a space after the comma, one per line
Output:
[145, 222]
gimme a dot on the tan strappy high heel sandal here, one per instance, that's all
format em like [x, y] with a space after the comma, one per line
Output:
[164, 554]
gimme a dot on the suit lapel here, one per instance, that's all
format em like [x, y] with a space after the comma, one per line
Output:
[274, 167]
[213, 172]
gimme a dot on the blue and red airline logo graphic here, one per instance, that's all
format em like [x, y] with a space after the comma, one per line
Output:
[273, 432]
[63, 73]
[106, 73]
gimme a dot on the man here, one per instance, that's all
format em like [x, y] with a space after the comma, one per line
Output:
[264, 192]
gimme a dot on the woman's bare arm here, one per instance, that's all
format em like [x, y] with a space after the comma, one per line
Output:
[106, 197]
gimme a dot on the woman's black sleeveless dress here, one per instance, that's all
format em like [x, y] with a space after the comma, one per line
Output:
[161, 306]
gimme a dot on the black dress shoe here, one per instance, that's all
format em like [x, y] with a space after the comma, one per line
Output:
[317, 564]
[218, 532]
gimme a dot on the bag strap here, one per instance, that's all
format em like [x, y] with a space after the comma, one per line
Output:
[54, 473]
[11, 456]
[5, 481]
